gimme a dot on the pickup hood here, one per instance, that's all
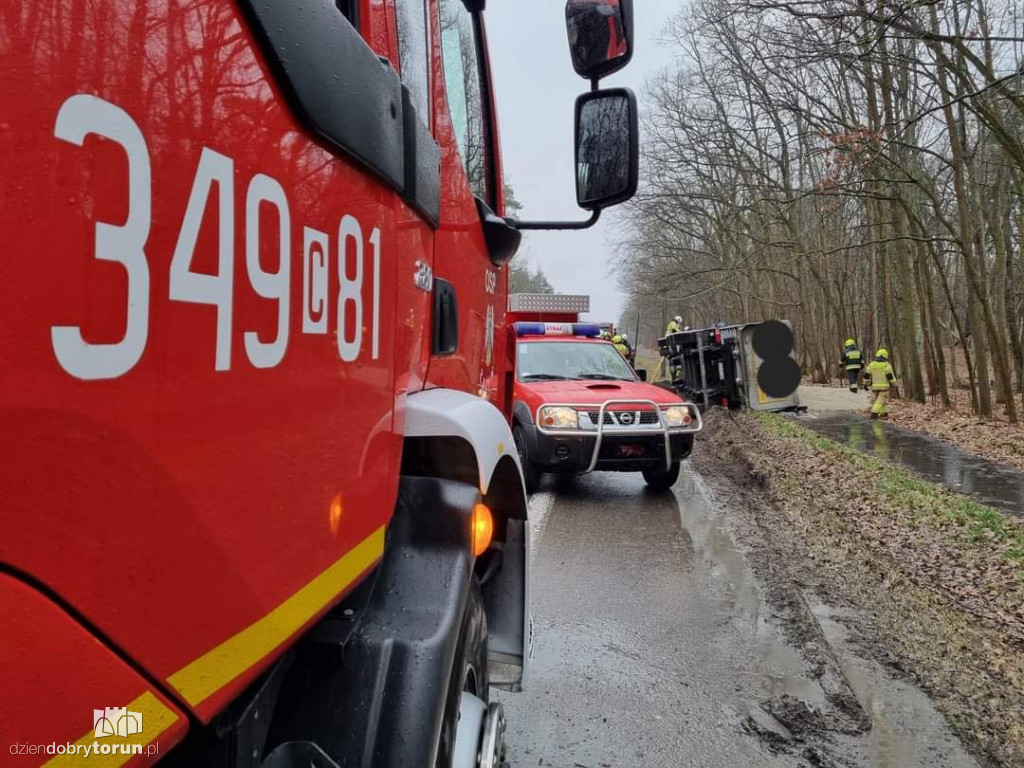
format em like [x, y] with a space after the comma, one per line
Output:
[591, 392]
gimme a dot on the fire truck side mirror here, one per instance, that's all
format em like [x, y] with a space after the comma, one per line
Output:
[600, 36]
[607, 148]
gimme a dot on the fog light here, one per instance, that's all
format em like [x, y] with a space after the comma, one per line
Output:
[562, 451]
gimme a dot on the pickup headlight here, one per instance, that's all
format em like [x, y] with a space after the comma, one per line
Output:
[678, 416]
[558, 417]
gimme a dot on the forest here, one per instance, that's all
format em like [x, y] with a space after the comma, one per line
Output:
[853, 166]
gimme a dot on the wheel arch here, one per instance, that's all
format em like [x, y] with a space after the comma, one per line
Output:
[454, 435]
[521, 413]
[436, 419]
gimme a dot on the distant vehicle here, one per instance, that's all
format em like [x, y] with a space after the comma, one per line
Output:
[580, 407]
[735, 366]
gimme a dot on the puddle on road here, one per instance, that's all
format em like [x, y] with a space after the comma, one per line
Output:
[906, 728]
[781, 669]
[657, 646]
[817, 697]
[986, 481]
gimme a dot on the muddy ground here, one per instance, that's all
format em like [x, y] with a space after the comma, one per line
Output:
[800, 544]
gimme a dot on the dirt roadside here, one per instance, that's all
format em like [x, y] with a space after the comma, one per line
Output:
[934, 601]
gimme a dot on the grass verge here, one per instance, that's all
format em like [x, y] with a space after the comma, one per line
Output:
[924, 502]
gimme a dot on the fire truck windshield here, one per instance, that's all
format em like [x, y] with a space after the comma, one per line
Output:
[558, 360]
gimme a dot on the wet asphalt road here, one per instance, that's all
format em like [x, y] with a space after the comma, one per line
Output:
[653, 645]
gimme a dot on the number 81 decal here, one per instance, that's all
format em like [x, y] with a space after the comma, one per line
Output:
[82, 115]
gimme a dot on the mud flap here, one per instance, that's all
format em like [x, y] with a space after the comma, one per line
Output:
[378, 700]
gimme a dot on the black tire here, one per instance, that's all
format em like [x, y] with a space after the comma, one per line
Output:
[661, 479]
[531, 473]
[687, 447]
[469, 670]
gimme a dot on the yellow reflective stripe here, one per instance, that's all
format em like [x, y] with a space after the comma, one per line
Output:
[156, 718]
[215, 669]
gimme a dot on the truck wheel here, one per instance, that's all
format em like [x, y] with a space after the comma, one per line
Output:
[662, 479]
[472, 732]
[687, 447]
[531, 474]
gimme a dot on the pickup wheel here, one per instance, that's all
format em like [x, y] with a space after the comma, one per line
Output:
[662, 479]
[531, 473]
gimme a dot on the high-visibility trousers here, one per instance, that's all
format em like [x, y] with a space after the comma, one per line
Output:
[879, 397]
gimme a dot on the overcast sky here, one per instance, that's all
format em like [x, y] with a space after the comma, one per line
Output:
[536, 89]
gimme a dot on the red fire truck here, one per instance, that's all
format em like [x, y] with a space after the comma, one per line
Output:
[261, 502]
[580, 406]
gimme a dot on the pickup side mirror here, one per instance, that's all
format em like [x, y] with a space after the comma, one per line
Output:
[641, 373]
[607, 148]
[600, 36]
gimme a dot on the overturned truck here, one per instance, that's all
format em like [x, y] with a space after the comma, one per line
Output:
[748, 365]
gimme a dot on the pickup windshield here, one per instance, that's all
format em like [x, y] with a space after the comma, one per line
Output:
[558, 360]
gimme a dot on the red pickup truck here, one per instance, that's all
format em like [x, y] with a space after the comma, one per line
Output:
[579, 406]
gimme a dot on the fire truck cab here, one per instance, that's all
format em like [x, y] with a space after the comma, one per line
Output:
[261, 505]
[579, 404]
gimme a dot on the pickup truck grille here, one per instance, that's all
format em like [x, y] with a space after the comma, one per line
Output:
[625, 418]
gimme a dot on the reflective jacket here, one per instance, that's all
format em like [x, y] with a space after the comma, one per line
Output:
[881, 374]
[673, 327]
[623, 349]
[852, 359]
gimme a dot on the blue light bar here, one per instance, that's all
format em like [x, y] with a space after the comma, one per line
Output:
[591, 330]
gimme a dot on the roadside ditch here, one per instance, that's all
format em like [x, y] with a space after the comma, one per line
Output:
[923, 581]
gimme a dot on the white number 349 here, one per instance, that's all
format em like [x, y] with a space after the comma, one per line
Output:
[82, 115]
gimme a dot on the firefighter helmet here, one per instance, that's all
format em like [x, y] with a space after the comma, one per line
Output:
[849, 343]
[882, 354]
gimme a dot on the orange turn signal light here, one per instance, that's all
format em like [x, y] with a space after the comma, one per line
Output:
[483, 529]
[334, 515]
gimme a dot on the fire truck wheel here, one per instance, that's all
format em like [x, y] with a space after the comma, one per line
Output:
[661, 479]
[531, 474]
[468, 688]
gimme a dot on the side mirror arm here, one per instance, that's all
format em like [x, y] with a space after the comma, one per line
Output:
[586, 224]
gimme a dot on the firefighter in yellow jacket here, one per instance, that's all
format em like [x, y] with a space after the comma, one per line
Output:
[620, 345]
[881, 376]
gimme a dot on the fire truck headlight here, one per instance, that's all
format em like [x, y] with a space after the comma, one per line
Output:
[678, 416]
[558, 417]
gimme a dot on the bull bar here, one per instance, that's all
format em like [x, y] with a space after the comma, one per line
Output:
[618, 430]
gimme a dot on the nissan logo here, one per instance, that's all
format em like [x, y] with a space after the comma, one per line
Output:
[625, 418]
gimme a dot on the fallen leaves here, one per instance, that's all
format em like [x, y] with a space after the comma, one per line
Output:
[950, 586]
